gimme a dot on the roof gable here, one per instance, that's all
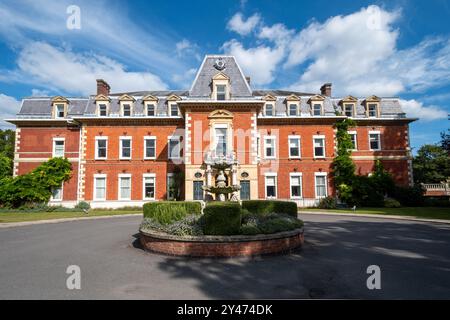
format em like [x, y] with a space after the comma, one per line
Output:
[225, 66]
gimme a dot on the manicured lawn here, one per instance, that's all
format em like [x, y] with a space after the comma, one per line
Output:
[418, 212]
[15, 216]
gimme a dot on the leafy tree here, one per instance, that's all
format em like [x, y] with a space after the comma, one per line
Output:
[6, 166]
[445, 141]
[343, 166]
[431, 165]
[7, 139]
[36, 186]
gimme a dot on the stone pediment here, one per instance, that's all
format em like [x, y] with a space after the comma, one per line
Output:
[173, 97]
[59, 99]
[102, 97]
[126, 97]
[150, 98]
[293, 97]
[269, 97]
[221, 76]
[220, 114]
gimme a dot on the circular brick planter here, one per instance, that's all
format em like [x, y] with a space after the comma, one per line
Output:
[221, 246]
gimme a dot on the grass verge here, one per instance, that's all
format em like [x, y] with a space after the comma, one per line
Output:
[9, 217]
[416, 212]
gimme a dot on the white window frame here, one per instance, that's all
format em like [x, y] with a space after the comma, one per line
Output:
[148, 175]
[297, 137]
[121, 138]
[324, 146]
[320, 111]
[119, 193]
[273, 109]
[292, 175]
[225, 92]
[320, 174]
[376, 109]
[94, 196]
[145, 147]
[57, 105]
[62, 194]
[274, 138]
[296, 109]
[170, 104]
[55, 139]
[169, 175]
[353, 109]
[168, 147]
[356, 139]
[154, 109]
[274, 175]
[106, 109]
[123, 109]
[379, 140]
[97, 138]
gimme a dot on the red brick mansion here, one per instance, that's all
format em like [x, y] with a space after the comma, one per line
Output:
[125, 148]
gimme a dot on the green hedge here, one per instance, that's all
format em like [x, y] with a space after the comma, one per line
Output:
[264, 207]
[167, 212]
[222, 218]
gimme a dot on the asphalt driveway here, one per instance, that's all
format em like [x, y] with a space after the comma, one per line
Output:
[414, 259]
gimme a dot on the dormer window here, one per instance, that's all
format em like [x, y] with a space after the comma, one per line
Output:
[221, 92]
[102, 110]
[220, 87]
[316, 103]
[372, 105]
[173, 109]
[60, 111]
[293, 109]
[348, 105]
[348, 109]
[372, 110]
[269, 110]
[150, 110]
[317, 109]
[293, 105]
[59, 107]
[126, 110]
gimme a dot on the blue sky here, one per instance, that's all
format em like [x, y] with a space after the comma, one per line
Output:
[386, 48]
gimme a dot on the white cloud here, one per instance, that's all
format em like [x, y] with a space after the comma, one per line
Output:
[185, 48]
[348, 51]
[414, 108]
[241, 26]
[277, 33]
[39, 93]
[75, 73]
[185, 79]
[9, 107]
[114, 33]
[259, 62]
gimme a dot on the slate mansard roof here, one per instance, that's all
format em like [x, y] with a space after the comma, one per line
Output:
[240, 90]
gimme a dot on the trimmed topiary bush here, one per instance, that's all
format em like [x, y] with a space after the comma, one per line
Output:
[222, 218]
[264, 207]
[83, 205]
[391, 203]
[327, 203]
[167, 212]
[279, 223]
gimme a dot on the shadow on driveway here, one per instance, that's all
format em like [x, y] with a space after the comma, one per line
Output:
[414, 259]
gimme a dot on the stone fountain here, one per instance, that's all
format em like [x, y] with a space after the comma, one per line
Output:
[221, 190]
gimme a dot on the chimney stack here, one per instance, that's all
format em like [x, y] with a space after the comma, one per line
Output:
[325, 90]
[248, 79]
[102, 87]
